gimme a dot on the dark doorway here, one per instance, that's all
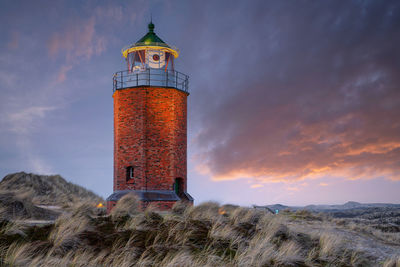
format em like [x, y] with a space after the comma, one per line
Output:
[178, 186]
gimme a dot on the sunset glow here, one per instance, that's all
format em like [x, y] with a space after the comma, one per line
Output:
[290, 102]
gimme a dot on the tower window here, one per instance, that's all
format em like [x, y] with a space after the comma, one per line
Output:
[130, 173]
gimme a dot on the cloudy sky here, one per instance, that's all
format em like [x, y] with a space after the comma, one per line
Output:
[292, 102]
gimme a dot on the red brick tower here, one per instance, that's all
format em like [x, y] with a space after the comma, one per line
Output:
[150, 125]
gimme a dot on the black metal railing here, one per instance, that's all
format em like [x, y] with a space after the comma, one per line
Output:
[151, 77]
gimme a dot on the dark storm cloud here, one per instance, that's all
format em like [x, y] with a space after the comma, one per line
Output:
[297, 89]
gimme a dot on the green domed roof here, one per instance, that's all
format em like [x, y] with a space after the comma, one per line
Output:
[150, 41]
[151, 38]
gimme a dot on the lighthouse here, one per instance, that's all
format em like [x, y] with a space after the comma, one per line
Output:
[150, 125]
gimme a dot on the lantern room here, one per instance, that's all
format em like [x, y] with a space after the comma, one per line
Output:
[150, 61]
[150, 52]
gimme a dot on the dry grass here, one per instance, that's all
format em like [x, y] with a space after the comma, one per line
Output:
[15, 207]
[392, 262]
[45, 189]
[203, 235]
[389, 236]
[128, 205]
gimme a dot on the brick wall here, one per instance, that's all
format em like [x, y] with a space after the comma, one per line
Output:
[150, 135]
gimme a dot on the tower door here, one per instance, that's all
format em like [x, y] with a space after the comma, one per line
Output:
[178, 186]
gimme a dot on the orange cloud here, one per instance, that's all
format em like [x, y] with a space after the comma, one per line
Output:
[62, 74]
[366, 162]
[302, 103]
[283, 142]
[78, 41]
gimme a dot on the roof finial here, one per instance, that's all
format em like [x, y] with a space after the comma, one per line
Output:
[151, 25]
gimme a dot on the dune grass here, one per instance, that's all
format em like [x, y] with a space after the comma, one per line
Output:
[204, 235]
[45, 189]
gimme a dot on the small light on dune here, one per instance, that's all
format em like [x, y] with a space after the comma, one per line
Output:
[100, 205]
[221, 211]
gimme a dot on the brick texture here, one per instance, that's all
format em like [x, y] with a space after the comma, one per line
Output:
[150, 133]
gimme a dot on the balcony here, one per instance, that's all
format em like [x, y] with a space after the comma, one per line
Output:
[151, 77]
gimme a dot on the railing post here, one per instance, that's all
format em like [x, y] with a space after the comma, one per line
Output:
[137, 79]
[122, 79]
[176, 79]
[166, 80]
[149, 77]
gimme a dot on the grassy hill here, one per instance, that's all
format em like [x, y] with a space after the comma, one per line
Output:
[26, 196]
[46, 189]
[203, 235]
[13, 207]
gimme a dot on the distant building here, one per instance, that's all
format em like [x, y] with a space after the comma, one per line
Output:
[150, 125]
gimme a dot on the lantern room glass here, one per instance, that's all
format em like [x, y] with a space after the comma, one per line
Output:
[160, 63]
[150, 58]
